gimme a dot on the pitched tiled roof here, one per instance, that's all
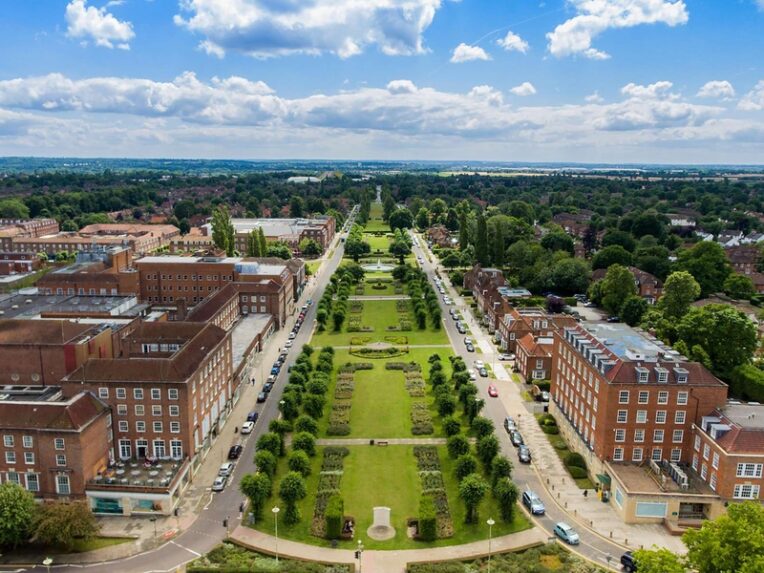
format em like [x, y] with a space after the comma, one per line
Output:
[40, 331]
[70, 415]
[533, 348]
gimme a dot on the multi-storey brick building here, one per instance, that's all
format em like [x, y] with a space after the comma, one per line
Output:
[533, 358]
[52, 445]
[649, 287]
[519, 322]
[18, 229]
[16, 263]
[96, 272]
[744, 259]
[290, 231]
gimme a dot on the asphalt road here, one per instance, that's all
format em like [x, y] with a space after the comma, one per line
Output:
[208, 531]
[592, 547]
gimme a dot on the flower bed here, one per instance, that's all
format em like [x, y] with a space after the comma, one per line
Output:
[405, 366]
[359, 340]
[421, 421]
[432, 481]
[399, 340]
[370, 352]
[344, 388]
[339, 420]
[415, 384]
[402, 306]
[431, 478]
[427, 459]
[356, 306]
[328, 485]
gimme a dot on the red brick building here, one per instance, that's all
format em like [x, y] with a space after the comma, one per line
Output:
[744, 259]
[290, 231]
[106, 271]
[649, 287]
[533, 357]
[440, 236]
[519, 322]
[52, 446]
[18, 229]
[18, 263]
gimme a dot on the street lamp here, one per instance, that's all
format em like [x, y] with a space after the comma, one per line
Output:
[275, 511]
[281, 407]
[490, 523]
[47, 562]
[359, 555]
[153, 519]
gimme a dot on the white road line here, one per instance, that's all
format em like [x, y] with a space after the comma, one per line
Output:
[186, 548]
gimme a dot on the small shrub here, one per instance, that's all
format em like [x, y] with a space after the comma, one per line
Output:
[427, 519]
[334, 513]
[553, 430]
[576, 472]
[576, 460]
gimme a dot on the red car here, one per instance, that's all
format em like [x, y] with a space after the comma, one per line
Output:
[492, 391]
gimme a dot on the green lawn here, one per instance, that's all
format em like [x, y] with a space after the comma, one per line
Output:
[377, 243]
[313, 266]
[388, 290]
[380, 314]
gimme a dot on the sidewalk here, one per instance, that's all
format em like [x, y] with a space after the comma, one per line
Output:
[393, 561]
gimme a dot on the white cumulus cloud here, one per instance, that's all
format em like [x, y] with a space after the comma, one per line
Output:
[524, 89]
[266, 28]
[466, 53]
[575, 36]
[754, 99]
[651, 91]
[513, 42]
[720, 89]
[98, 25]
[594, 98]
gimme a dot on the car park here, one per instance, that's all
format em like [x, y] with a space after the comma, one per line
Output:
[628, 563]
[235, 451]
[483, 372]
[524, 454]
[566, 533]
[533, 503]
[492, 391]
[516, 438]
[226, 469]
[262, 397]
[247, 427]
[219, 483]
[252, 417]
[470, 348]
[509, 424]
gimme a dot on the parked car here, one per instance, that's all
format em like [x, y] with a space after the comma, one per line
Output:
[470, 348]
[275, 369]
[473, 374]
[479, 364]
[271, 380]
[614, 318]
[267, 387]
[262, 397]
[533, 503]
[252, 417]
[235, 451]
[492, 391]
[288, 344]
[566, 533]
[483, 372]
[516, 438]
[219, 483]
[628, 563]
[247, 427]
[292, 335]
[524, 454]
[226, 469]
[467, 340]
[509, 424]
[506, 356]
[460, 328]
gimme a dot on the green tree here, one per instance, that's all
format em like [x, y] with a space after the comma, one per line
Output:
[497, 238]
[296, 206]
[558, 241]
[482, 426]
[388, 206]
[569, 276]
[472, 490]
[506, 494]
[501, 468]
[679, 291]
[257, 487]
[612, 255]
[17, 512]
[481, 240]
[265, 461]
[253, 244]
[658, 560]
[400, 249]
[451, 260]
[457, 445]
[13, 209]
[446, 405]
[465, 465]
[464, 237]
[271, 442]
[62, 523]
[305, 442]
[618, 237]
[299, 462]
[706, 262]
[262, 240]
[356, 248]
[310, 248]
[423, 219]
[313, 405]
[617, 286]
[292, 490]
[634, 307]
[487, 448]
[731, 543]
[306, 423]
[451, 426]
[223, 231]
[739, 286]
[401, 219]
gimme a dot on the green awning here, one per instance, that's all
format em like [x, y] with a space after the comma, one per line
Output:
[604, 479]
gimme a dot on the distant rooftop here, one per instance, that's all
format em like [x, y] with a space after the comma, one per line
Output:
[513, 292]
[745, 415]
[629, 344]
[33, 305]
[30, 393]
[243, 265]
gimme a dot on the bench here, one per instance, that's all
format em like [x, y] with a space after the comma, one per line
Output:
[381, 442]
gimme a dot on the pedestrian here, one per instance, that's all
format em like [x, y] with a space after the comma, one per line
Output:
[586, 493]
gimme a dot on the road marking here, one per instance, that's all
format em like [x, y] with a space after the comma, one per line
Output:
[186, 548]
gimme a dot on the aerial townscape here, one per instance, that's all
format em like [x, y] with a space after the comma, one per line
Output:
[383, 286]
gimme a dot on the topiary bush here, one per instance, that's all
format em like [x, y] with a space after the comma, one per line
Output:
[576, 460]
[577, 473]
[427, 520]
[334, 513]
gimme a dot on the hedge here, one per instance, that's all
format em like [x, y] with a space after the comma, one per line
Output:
[334, 513]
[576, 460]
[552, 430]
[747, 382]
[576, 472]
[427, 521]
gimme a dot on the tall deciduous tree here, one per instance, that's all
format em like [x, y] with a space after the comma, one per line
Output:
[679, 291]
[617, 286]
[706, 262]
[481, 240]
[401, 219]
[506, 494]
[263, 242]
[257, 487]
[253, 244]
[222, 230]
[658, 560]
[17, 511]
[62, 523]
[464, 236]
[292, 490]
[472, 490]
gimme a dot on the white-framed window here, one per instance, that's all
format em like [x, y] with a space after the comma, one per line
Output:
[139, 410]
[175, 427]
[176, 449]
[695, 461]
[620, 435]
[10, 457]
[715, 461]
[658, 436]
[706, 451]
[156, 410]
[140, 426]
[125, 449]
[13, 477]
[746, 491]
[636, 455]
[644, 397]
[138, 393]
[697, 444]
[679, 416]
[172, 393]
[623, 397]
[33, 482]
[8, 441]
[641, 416]
[121, 393]
[703, 471]
[657, 454]
[749, 470]
[660, 417]
[623, 416]
[60, 459]
[639, 435]
[663, 397]
[712, 482]
[103, 392]
[678, 436]
[618, 454]
[676, 454]
[174, 410]
[27, 441]
[157, 427]
[122, 409]
[156, 394]
[59, 444]
[29, 458]
[123, 426]
[159, 449]
[681, 398]
[62, 484]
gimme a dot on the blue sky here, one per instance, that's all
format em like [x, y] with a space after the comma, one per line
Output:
[616, 81]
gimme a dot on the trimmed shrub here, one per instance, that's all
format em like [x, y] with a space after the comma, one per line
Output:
[334, 513]
[299, 462]
[465, 466]
[305, 442]
[577, 473]
[457, 446]
[307, 424]
[553, 430]
[427, 521]
[451, 426]
[574, 459]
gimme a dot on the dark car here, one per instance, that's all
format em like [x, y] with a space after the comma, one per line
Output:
[262, 397]
[460, 329]
[469, 348]
[628, 563]
[614, 319]
[235, 452]
[516, 438]
[267, 387]
[275, 370]
[483, 372]
[524, 455]
[252, 417]
[509, 424]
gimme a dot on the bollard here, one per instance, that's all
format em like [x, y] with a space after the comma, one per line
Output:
[558, 495]
[611, 535]
[626, 541]
[566, 505]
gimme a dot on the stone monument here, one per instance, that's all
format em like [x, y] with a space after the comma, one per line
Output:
[381, 530]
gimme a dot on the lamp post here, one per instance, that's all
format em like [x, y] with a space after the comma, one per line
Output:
[47, 562]
[359, 555]
[490, 523]
[281, 407]
[153, 520]
[275, 511]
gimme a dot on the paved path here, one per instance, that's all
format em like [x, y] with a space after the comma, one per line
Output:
[388, 561]
[388, 441]
[363, 297]
[402, 345]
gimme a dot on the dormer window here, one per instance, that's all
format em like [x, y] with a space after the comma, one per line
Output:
[681, 375]
[661, 374]
[642, 374]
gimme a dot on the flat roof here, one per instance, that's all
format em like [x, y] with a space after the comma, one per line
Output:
[30, 394]
[32, 305]
[244, 332]
[247, 265]
[625, 342]
[641, 479]
[745, 415]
